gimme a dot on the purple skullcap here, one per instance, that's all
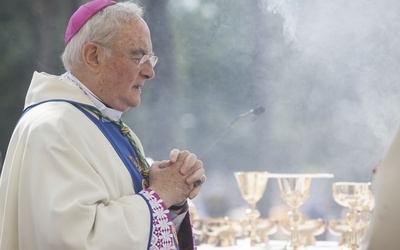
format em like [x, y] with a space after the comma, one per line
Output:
[82, 15]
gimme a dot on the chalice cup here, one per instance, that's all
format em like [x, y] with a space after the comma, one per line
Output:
[252, 187]
[294, 190]
[352, 195]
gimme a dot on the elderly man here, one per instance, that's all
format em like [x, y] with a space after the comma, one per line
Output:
[75, 176]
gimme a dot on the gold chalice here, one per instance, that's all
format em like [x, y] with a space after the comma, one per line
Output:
[295, 190]
[252, 186]
[354, 196]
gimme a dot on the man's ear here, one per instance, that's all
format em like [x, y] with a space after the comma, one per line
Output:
[90, 56]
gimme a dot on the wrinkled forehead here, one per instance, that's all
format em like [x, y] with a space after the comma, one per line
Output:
[134, 33]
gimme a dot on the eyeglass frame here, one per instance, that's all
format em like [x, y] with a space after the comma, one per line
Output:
[153, 59]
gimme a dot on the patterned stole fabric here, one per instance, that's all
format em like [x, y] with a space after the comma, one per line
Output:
[137, 158]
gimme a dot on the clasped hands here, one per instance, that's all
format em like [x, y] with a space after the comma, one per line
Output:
[178, 178]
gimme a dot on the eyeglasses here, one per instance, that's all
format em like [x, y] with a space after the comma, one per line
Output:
[134, 55]
[148, 57]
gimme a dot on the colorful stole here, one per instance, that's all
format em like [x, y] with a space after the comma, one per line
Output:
[120, 144]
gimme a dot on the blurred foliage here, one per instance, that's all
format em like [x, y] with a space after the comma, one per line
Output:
[31, 39]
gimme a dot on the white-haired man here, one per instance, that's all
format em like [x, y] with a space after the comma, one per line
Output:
[75, 176]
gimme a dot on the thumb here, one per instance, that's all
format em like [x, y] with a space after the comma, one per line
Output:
[164, 164]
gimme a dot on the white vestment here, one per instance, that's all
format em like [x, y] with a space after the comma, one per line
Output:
[63, 186]
[384, 230]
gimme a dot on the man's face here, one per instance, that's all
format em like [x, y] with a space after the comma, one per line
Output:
[121, 77]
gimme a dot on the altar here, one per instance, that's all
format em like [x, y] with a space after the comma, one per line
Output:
[255, 232]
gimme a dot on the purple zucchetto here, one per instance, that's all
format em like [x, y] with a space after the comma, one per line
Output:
[82, 15]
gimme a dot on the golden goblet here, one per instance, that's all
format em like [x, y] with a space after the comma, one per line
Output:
[295, 190]
[352, 195]
[252, 186]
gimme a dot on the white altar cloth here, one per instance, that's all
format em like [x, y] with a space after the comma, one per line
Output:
[275, 245]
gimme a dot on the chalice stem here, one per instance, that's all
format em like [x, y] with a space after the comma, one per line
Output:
[294, 239]
[253, 216]
[352, 218]
[295, 230]
[294, 217]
